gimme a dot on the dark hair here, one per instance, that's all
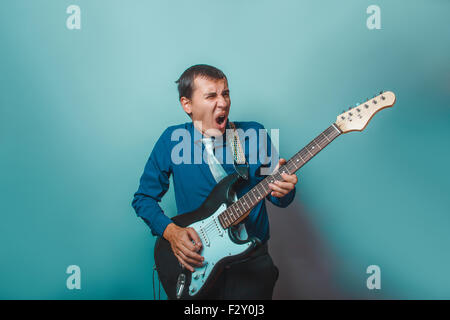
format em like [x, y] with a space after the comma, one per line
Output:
[186, 80]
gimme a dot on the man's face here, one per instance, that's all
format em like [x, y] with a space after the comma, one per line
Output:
[209, 105]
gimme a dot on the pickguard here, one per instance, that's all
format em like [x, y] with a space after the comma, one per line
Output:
[216, 245]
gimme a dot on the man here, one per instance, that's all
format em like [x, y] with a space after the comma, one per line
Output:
[205, 97]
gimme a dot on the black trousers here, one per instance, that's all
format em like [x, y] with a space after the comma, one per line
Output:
[251, 279]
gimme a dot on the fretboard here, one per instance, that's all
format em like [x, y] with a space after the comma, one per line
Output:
[241, 208]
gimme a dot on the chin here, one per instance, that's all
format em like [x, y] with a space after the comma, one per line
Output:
[216, 132]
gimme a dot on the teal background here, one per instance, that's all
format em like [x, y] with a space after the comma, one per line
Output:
[80, 111]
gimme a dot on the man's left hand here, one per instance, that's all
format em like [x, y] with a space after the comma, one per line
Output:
[282, 188]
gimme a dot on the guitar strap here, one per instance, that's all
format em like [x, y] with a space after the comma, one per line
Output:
[240, 163]
[235, 143]
[241, 167]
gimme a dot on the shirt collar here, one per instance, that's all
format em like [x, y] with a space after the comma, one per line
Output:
[197, 136]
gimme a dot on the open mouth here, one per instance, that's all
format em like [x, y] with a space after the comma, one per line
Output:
[221, 119]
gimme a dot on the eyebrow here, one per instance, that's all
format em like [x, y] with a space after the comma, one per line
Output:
[213, 93]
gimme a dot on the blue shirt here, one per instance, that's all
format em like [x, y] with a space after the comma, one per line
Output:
[176, 154]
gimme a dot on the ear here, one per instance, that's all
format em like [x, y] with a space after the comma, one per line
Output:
[186, 104]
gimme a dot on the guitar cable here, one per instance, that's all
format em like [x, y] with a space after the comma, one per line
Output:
[159, 284]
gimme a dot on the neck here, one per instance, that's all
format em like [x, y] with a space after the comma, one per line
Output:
[241, 208]
[208, 132]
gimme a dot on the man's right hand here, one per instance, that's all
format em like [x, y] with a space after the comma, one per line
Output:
[182, 242]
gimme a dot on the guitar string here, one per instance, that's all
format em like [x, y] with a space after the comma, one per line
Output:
[322, 140]
[211, 230]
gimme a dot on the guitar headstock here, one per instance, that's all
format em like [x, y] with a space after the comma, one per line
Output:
[357, 118]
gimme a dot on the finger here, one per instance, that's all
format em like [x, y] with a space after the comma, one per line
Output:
[189, 260]
[281, 161]
[277, 189]
[185, 264]
[285, 185]
[186, 243]
[194, 236]
[194, 256]
[277, 194]
[290, 177]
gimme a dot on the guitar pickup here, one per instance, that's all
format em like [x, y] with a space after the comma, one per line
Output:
[204, 237]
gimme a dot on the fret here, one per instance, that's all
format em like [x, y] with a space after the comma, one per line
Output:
[256, 195]
[277, 176]
[251, 200]
[285, 169]
[266, 185]
[260, 194]
[230, 213]
[252, 192]
[305, 154]
[238, 209]
[244, 202]
[237, 212]
[221, 221]
[322, 142]
[231, 218]
[317, 144]
[225, 218]
[325, 137]
[289, 164]
[265, 189]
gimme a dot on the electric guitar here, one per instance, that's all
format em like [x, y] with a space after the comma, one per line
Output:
[216, 220]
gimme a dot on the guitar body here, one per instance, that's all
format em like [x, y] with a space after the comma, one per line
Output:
[219, 246]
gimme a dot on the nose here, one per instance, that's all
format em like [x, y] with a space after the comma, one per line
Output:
[222, 102]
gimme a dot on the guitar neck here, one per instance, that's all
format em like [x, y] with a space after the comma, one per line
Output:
[241, 208]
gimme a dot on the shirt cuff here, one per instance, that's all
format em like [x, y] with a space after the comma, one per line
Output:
[283, 202]
[159, 225]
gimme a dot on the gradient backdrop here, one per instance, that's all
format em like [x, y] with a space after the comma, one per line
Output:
[80, 111]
